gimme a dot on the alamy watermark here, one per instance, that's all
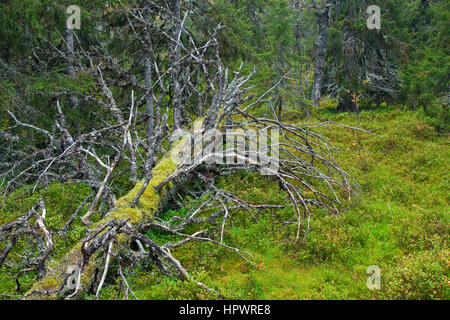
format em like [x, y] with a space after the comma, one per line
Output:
[74, 20]
[74, 272]
[374, 19]
[374, 279]
[232, 147]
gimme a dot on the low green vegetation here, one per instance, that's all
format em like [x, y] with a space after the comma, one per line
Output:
[66, 95]
[398, 221]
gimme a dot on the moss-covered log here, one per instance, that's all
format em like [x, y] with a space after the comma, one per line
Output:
[150, 201]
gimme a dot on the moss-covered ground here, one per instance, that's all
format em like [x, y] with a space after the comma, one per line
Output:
[400, 222]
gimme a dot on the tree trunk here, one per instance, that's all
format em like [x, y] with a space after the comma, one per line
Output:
[346, 103]
[177, 107]
[148, 82]
[150, 202]
[70, 70]
[280, 109]
[321, 49]
[300, 81]
[149, 101]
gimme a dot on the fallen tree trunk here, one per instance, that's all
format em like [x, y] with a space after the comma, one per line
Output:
[230, 139]
[54, 284]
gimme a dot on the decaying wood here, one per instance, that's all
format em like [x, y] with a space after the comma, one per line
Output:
[195, 75]
[12, 231]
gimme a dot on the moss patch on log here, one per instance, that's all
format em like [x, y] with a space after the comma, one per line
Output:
[148, 205]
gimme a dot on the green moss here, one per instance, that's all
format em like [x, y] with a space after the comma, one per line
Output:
[400, 224]
[424, 275]
[149, 200]
[148, 205]
[49, 283]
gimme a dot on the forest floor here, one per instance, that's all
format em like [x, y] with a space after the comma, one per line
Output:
[399, 222]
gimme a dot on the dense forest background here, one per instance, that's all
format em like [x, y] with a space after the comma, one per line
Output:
[405, 62]
[307, 62]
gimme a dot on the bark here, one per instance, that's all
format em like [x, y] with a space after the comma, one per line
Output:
[148, 82]
[177, 107]
[73, 101]
[307, 72]
[280, 109]
[150, 202]
[321, 49]
[149, 103]
[346, 104]
[300, 80]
